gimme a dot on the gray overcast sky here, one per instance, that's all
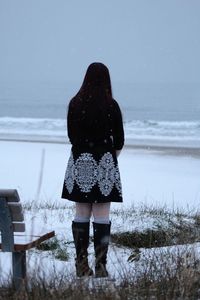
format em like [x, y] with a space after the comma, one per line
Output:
[140, 41]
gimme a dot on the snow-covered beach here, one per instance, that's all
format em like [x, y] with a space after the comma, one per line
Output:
[153, 176]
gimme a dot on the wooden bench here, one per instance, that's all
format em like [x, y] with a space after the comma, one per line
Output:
[13, 237]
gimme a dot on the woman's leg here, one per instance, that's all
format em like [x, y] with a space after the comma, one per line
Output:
[80, 230]
[83, 212]
[101, 225]
[101, 212]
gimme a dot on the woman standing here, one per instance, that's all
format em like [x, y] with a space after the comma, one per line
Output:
[92, 178]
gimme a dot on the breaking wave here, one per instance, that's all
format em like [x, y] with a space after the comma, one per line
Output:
[136, 132]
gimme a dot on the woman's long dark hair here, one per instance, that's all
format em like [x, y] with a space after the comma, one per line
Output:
[96, 84]
[92, 102]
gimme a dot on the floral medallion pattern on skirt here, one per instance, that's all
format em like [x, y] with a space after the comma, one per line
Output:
[86, 172]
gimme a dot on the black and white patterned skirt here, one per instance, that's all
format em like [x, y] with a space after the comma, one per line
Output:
[92, 176]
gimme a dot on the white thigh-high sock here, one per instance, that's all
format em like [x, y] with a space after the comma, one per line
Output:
[80, 219]
[102, 220]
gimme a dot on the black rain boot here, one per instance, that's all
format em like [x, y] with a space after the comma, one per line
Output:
[81, 240]
[101, 243]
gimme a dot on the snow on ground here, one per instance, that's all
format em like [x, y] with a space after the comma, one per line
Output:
[151, 178]
[148, 177]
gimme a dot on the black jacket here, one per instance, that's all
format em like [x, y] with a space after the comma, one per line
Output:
[89, 124]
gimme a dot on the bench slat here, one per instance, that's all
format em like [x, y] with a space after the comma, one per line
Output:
[16, 211]
[18, 227]
[10, 195]
[17, 218]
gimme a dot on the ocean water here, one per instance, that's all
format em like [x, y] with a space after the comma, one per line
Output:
[161, 114]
